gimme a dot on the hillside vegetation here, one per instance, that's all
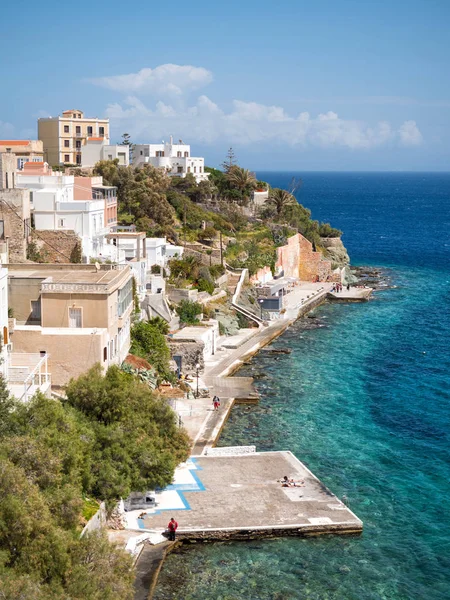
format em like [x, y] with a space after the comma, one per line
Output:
[111, 436]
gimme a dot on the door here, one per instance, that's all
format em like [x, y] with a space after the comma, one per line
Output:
[75, 317]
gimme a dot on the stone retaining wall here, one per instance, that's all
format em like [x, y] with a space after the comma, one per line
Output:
[57, 246]
[191, 353]
[272, 532]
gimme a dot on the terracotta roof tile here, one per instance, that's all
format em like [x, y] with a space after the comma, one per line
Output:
[15, 142]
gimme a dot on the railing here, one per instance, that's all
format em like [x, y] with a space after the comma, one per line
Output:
[30, 370]
[241, 309]
[101, 231]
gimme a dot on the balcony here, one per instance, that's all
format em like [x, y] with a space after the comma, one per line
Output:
[101, 232]
[28, 374]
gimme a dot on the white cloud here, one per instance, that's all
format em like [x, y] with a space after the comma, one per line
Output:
[410, 134]
[165, 79]
[252, 123]
[245, 123]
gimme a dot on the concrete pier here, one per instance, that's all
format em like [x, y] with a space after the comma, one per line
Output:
[240, 496]
[354, 294]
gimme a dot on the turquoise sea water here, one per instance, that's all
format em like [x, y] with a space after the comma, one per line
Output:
[364, 401]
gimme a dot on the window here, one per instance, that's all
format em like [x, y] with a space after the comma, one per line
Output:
[189, 169]
[200, 169]
[179, 154]
[35, 310]
[89, 130]
[180, 170]
[75, 317]
[38, 159]
[2, 230]
[125, 297]
[109, 156]
[66, 129]
[66, 144]
[61, 222]
[141, 153]
[159, 153]
[78, 144]
[6, 180]
[66, 158]
[78, 159]
[195, 169]
[74, 115]
[78, 130]
[186, 154]
[101, 131]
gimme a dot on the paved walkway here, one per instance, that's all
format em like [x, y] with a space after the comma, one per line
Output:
[202, 423]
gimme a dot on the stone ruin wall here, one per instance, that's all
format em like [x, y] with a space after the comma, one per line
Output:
[15, 214]
[57, 246]
[191, 353]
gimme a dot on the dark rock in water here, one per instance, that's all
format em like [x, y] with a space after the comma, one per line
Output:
[374, 277]
[277, 350]
[260, 376]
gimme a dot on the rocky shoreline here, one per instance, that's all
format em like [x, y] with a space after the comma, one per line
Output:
[377, 278]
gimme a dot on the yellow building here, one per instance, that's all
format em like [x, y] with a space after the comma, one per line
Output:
[25, 150]
[77, 314]
[64, 136]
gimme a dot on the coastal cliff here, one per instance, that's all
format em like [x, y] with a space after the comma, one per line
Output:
[335, 251]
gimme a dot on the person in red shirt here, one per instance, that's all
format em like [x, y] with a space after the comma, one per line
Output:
[172, 527]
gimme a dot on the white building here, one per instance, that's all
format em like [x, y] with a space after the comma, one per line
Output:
[176, 159]
[156, 251]
[97, 149]
[54, 208]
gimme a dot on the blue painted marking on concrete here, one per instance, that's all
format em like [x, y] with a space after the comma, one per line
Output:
[201, 487]
[194, 461]
[196, 486]
[141, 523]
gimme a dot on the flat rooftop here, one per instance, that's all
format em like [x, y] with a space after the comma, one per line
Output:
[240, 495]
[127, 235]
[106, 278]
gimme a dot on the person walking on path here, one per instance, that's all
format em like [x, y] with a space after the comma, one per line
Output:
[172, 527]
[216, 402]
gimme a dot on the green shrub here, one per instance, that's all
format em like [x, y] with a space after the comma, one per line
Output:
[205, 286]
[148, 342]
[189, 312]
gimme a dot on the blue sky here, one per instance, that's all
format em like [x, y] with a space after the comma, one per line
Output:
[293, 85]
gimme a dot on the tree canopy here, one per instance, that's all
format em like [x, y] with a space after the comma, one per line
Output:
[112, 435]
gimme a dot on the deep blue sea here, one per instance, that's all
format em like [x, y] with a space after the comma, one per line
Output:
[364, 402]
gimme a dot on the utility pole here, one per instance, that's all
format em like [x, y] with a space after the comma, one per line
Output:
[184, 222]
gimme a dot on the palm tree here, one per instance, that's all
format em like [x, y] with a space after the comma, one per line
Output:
[280, 199]
[242, 180]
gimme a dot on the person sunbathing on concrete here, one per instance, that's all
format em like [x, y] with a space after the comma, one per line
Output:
[286, 482]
